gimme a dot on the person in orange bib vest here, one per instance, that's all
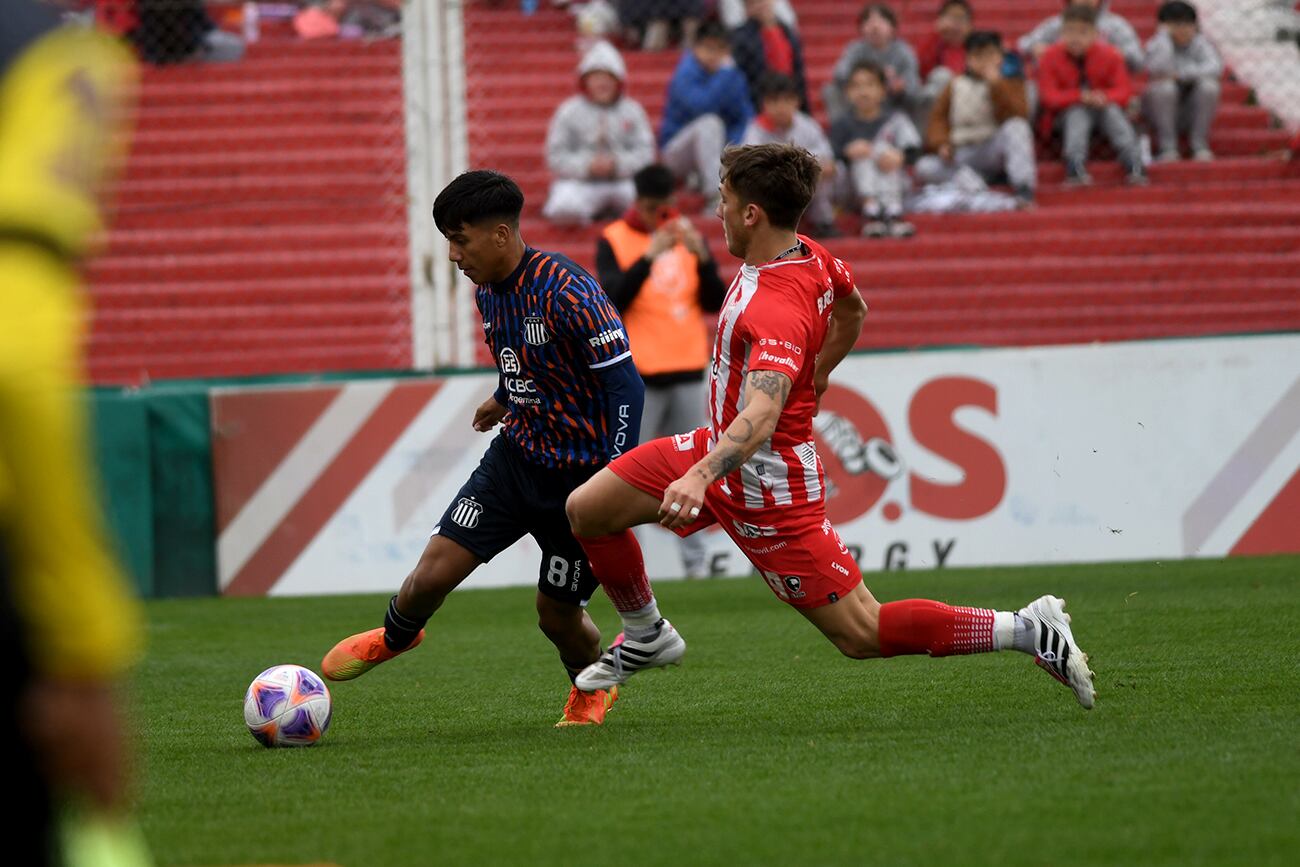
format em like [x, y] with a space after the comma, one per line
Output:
[658, 271]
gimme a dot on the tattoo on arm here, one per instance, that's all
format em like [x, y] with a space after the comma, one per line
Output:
[725, 463]
[773, 384]
[741, 438]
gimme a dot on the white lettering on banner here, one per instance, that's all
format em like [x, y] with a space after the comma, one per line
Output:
[607, 337]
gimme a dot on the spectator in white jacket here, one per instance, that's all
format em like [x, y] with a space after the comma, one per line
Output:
[598, 139]
[1113, 29]
[1183, 94]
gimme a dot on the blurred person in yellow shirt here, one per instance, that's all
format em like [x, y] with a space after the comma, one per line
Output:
[68, 623]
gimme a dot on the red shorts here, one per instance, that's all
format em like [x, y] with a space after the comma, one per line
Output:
[794, 548]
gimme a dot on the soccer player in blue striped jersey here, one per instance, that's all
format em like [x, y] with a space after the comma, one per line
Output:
[568, 401]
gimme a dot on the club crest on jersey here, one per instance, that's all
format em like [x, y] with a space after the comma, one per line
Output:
[467, 512]
[752, 531]
[535, 333]
[509, 361]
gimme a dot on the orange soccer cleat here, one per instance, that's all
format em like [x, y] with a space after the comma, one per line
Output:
[357, 654]
[587, 708]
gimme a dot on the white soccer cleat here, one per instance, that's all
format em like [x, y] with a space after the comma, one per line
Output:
[623, 660]
[1054, 649]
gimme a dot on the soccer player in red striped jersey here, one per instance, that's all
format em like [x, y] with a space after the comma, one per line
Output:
[792, 314]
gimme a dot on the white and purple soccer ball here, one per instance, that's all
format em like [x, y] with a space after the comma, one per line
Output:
[287, 706]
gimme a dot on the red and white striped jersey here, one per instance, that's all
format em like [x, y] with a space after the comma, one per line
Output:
[775, 317]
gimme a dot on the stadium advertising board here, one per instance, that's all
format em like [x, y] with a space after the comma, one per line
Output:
[975, 457]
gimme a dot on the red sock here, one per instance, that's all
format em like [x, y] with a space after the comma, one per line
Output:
[912, 626]
[617, 563]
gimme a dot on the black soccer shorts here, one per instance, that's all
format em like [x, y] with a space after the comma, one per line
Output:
[508, 496]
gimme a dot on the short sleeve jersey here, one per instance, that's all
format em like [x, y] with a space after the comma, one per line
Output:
[775, 317]
[551, 328]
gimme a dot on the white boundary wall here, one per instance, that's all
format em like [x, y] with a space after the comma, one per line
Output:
[1147, 450]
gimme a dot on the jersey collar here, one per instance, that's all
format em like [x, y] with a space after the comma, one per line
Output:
[512, 281]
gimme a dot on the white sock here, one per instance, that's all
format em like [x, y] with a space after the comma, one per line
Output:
[643, 623]
[1004, 630]
[1012, 632]
[1025, 634]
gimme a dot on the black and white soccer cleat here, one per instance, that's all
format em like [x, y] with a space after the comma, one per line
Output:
[628, 657]
[1054, 649]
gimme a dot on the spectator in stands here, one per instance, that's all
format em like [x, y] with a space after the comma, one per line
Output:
[1083, 83]
[877, 143]
[1112, 28]
[598, 139]
[172, 31]
[732, 13]
[781, 121]
[653, 20]
[659, 273]
[350, 19]
[981, 120]
[941, 55]
[765, 44]
[880, 45]
[707, 108]
[1183, 94]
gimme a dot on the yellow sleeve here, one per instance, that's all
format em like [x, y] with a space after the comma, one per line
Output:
[63, 117]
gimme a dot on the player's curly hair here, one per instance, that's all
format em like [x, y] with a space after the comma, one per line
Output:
[779, 178]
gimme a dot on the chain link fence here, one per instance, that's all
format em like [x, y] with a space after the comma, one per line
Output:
[259, 224]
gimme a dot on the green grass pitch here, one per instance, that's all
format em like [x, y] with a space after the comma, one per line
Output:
[765, 747]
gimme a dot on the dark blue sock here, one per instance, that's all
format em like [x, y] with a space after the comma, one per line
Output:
[399, 630]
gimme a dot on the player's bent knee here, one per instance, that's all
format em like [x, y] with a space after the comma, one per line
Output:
[582, 516]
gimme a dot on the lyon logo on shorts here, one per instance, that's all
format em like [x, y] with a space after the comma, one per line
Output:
[535, 333]
[467, 512]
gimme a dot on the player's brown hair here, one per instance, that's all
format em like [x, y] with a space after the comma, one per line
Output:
[779, 178]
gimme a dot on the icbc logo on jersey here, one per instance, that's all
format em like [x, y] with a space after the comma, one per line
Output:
[862, 463]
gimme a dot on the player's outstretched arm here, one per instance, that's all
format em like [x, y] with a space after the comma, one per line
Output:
[766, 392]
[847, 316]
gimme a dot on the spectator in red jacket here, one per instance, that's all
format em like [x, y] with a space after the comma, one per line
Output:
[942, 55]
[1084, 83]
[945, 48]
